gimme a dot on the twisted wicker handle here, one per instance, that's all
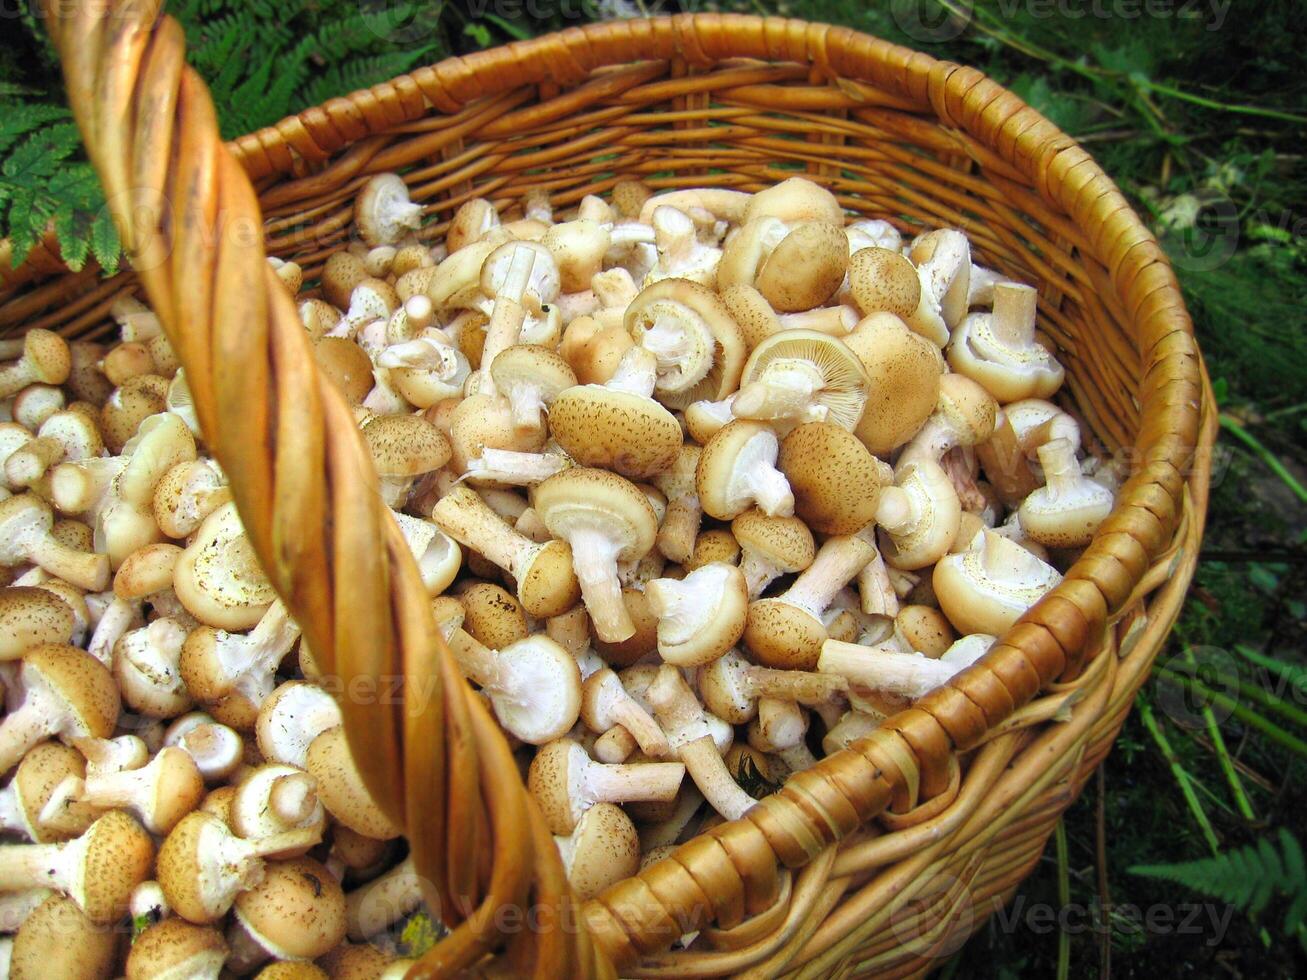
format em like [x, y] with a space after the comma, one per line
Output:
[304, 483]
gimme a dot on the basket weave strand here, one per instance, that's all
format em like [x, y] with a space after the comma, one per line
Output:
[679, 101]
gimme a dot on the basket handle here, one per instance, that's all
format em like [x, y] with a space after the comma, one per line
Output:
[305, 486]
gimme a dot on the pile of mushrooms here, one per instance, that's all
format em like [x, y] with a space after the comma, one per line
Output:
[703, 484]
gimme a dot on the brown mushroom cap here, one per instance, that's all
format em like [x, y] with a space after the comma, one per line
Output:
[350, 961]
[641, 643]
[296, 912]
[42, 770]
[57, 941]
[806, 268]
[118, 856]
[30, 617]
[781, 635]
[616, 430]
[785, 542]
[793, 200]
[884, 281]
[175, 948]
[549, 586]
[405, 445]
[82, 682]
[342, 790]
[903, 372]
[492, 616]
[604, 849]
[347, 365]
[598, 498]
[752, 312]
[836, 481]
[293, 970]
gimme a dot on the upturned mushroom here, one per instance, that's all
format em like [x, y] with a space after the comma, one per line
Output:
[216, 664]
[943, 260]
[25, 523]
[787, 632]
[217, 749]
[522, 279]
[605, 519]
[146, 664]
[986, 588]
[274, 798]
[701, 616]
[999, 349]
[964, 416]
[218, 577]
[797, 376]
[737, 469]
[919, 515]
[188, 493]
[438, 556]
[97, 870]
[66, 693]
[383, 213]
[1066, 511]
[40, 777]
[290, 719]
[606, 704]
[566, 782]
[534, 685]
[531, 377]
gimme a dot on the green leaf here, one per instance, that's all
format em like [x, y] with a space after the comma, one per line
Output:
[105, 245]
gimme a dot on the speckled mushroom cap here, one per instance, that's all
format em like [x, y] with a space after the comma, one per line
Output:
[296, 912]
[347, 365]
[793, 200]
[297, 970]
[341, 788]
[117, 856]
[43, 768]
[844, 382]
[405, 445]
[752, 312]
[617, 430]
[785, 542]
[884, 281]
[175, 949]
[806, 268]
[218, 578]
[683, 298]
[903, 372]
[604, 849]
[147, 570]
[781, 635]
[30, 617]
[491, 615]
[351, 961]
[836, 481]
[593, 498]
[555, 779]
[966, 406]
[83, 684]
[58, 941]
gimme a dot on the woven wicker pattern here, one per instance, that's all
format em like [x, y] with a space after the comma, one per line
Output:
[881, 857]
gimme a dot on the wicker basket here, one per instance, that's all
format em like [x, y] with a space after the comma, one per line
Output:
[881, 858]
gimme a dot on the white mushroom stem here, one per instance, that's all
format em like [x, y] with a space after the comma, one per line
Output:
[615, 745]
[785, 391]
[1013, 319]
[120, 616]
[756, 477]
[837, 562]
[636, 373]
[897, 511]
[424, 353]
[508, 315]
[594, 559]
[383, 900]
[910, 675]
[704, 764]
[250, 661]
[515, 468]
[478, 662]
[680, 527]
[875, 590]
[468, 519]
[779, 724]
[797, 757]
[527, 404]
[607, 704]
[802, 686]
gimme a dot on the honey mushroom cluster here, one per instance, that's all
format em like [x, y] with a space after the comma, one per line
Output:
[703, 485]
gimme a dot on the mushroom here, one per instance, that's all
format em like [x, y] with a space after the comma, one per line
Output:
[698, 739]
[66, 693]
[986, 588]
[795, 199]
[700, 617]
[943, 260]
[787, 632]
[617, 425]
[59, 942]
[884, 281]
[729, 205]
[534, 685]
[36, 403]
[911, 675]
[403, 447]
[384, 900]
[771, 547]
[16, 906]
[737, 469]
[797, 376]
[65, 435]
[479, 422]
[1066, 511]
[216, 749]
[383, 213]
[188, 493]
[30, 617]
[698, 346]
[273, 798]
[508, 466]
[566, 782]
[903, 372]
[999, 349]
[606, 704]
[964, 416]
[44, 358]
[470, 223]
[546, 584]
[216, 664]
[203, 866]
[681, 255]
[731, 687]
[605, 519]
[291, 718]
[40, 777]
[593, 349]
[425, 369]
[175, 949]
[341, 788]
[147, 666]
[523, 279]
[836, 482]
[437, 555]
[491, 615]
[218, 577]
[25, 523]
[680, 526]
[160, 793]
[297, 912]
[532, 377]
[97, 870]
[578, 247]
[919, 515]
[602, 850]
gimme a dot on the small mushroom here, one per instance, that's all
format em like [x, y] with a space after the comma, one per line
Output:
[25, 523]
[290, 719]
[147, 666]
[986, 588]
[964, 415]
[341, 788]
[403, 448]
[58, 941]
[216, 664]
[217, 750]
[605, 519]
[911, 675]
[737, 469]
[1066, 511]
[700, 617]
[97, 870]
[943, 260]
[66, 693]
[999, 349]
[188, 493]
[30, 617]
[884, 281]
[438, 556]
[383, 213]
[566, 782]
[771, 547]
[40, 777]
[160, 793]
[274, 798]
[44, 358]
[919, 514]
[903, 372]
[797, 376]
[531, 377]
[534, 685]
[836, 482]
[731, 687]
[680, 525]
[523, 279]
[297, 912]
[681, 253]
[605, 704]
[218, 577]
[384, 900]
[175, 949]
[787, 632]
[602, 850]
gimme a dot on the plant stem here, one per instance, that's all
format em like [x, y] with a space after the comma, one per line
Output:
[1064, 899]
[1236, 429]
[1296, 676]
[1246, 715]
[1223, 754]
[1253, 693]
[1181, 776]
